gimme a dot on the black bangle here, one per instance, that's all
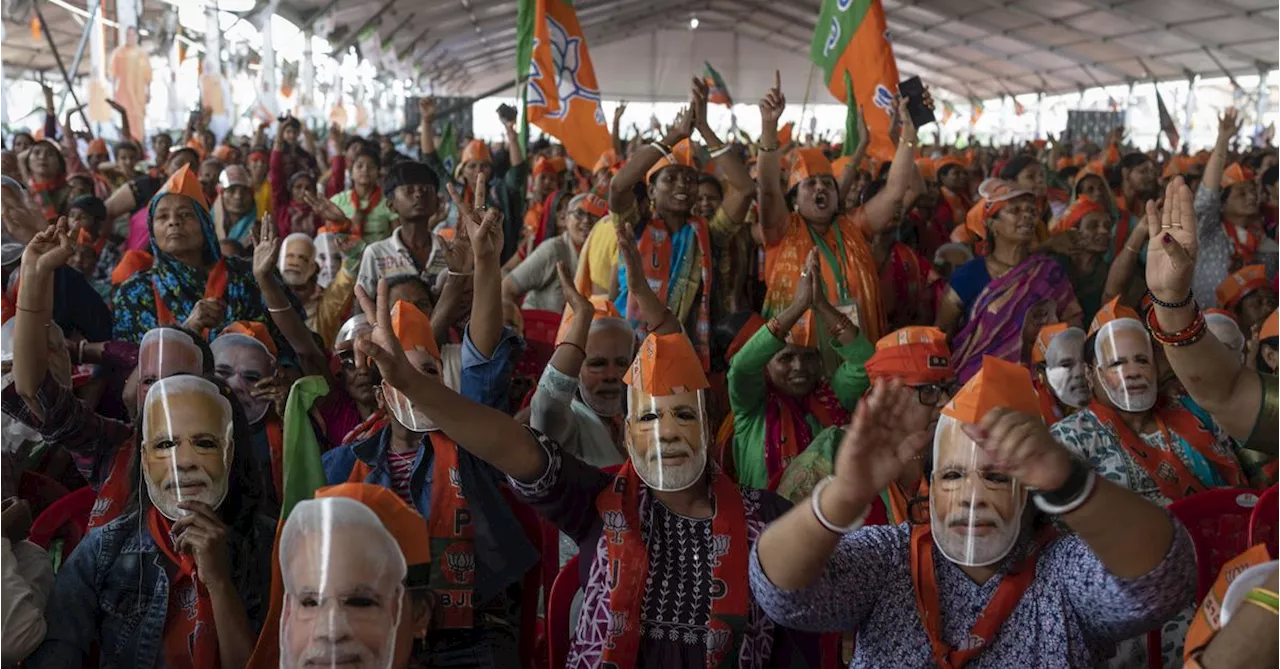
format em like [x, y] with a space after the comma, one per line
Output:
[1172, 305]
[1075, 484]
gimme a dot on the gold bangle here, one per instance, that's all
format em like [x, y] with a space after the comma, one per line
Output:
[1132, 250]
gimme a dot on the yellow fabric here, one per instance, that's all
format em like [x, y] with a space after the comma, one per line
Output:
[262, 198]
[600, 253]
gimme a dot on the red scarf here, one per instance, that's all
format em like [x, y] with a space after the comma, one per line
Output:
[215, 287]
[453, 555]
[44, 191]
[628, 559]
[1241, 251]
[275, 439]
[1171, 475]
[1014, 583]
[787, 433]
[190, 638]
[374, 199]
[113, 496]
[371, 426]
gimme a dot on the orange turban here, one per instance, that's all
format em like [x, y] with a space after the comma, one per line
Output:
[96, 147]
[544, 165]
[224, 153]
[255, 330]
[997, 384]
[608, 160]
[184, 182]
[413, 329]
[402, 521]
[1111, 311]
[1083, 206]
[918, 355]
[1239, 284]
[1044, 338]
[928, 171]
[1271, 326]
[1234, 174]
[805, 163]
[666, 365]
[132, 262]
[476, 151]
[681, 154]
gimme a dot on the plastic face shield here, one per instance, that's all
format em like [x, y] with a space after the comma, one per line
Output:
[242, 361]
[1066, 370]
[975, 510]
[165, 352]
[328, 256]
[343, 576]
[1126, 365]
[666, 438]
[404, 412]
[186, 444]
[297, 262]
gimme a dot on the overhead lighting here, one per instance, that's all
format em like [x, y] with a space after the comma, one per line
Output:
[693, 23]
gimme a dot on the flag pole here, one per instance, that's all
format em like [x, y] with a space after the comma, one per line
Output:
[808, 84]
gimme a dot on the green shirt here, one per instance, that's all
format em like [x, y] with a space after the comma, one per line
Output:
[378, 223]
[748, 393]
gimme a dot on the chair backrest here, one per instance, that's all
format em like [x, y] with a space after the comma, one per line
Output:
[531, 585]
[67, 518]
[559, 605]
[1263, 522]
[540, 326]
[1218, 521]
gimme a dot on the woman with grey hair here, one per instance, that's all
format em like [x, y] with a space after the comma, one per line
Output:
[534, 279]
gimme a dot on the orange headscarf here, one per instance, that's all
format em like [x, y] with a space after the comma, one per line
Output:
[1239, 284]
[805, 163]
[132, 262]
[1083, 206]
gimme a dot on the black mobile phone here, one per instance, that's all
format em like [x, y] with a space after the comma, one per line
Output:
[507, 113]
[913, 90]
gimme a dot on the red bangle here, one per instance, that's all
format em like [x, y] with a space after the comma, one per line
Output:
[1185, 337]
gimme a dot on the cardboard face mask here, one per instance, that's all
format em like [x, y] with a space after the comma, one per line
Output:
[328, 254]
[165, 352]
[1126, 365]
[343, 576]
[1066, 370]
[242, 362]
[187, 444]
[666, 438]
[297, 263]
[975, 511]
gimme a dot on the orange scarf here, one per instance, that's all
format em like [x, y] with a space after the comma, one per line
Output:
[374, 199]
[113, 496]
[453, 563]
[1014, 583]
[1049, 408]
[215, 287]
[1171, 475]
[190, 639]
[628, 560]
[658, 252]
[44, 192]
[1241, 251]
[960, 205]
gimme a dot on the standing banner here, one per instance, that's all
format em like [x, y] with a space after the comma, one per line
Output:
[851, 36]
[563, 98]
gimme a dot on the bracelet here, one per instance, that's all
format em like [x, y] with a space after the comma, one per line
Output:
[1132, 250]
[80, 351]
[775, 329]
[666, 313]
[19, 307]
[836, 331]
[766, 149]
[719, 151]
[1171, 305]
[1185, 337]
[581, 350]
[1265, 599]
[279, 310]
[817, 510]
[666, 150]
[453, 273]
[1075, 491]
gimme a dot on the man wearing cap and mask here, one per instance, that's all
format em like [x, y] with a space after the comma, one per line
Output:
[355, 566]
[157, 586]
[1061, 375]
[986, 581]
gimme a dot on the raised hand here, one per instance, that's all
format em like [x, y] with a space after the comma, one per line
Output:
[324, 207]
[380, 344]
[1171, 255]
[682, 128]
[484, 226]
[49, 249]
[427, 109]
[1229, 123]
[807, 290]
[576, 300]
[879, 442]
[864, 133]
[1021, 446]
[773, 103]
[619, 111]
[457, 251]
[698, 102]
[266, 248]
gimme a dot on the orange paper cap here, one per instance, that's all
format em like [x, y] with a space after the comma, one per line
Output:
[975, 221]
[1063, 163]
[1271, 326]
[97, 146]
[666, 365]
[184, 182]
[608, 160]
[997, 384]
[917, 354]
[1177, 165]
[475, 151]
[805, 163]
[132, 262]
[1083, 206]
[600, 305]
[928, 171]
[1044, 338]
[413, 329]
[1235, 174]
[1240, 283]
[401, 520]
[681, 154]
[255, 330]
[1111, 311]
[594, 205]
[944, 161]
[544, 165]
[839, 165]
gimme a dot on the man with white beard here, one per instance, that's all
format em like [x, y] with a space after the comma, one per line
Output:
[1061, 375]
[299, 270]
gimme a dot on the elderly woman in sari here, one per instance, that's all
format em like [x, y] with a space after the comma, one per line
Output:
[989, 297]
[190, 283]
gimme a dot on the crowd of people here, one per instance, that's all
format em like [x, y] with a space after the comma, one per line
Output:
[933, 408]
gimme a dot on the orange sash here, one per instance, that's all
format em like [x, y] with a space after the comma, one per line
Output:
[1049, 408]
[190, 638]
[628, 567]
[1014, 583]
[1242, 252]
[215, 288]
[453, 563]
[1171, 475]
[113, 496]
[657, 253]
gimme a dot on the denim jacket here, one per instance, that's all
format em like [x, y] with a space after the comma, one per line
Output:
[503, 554]
[114, 589]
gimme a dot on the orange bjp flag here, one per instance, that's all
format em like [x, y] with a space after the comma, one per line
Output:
[563, 96]
[851, 36]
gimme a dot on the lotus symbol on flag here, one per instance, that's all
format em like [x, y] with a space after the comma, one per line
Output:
[833, 37]
[884, 98]
[566, 54]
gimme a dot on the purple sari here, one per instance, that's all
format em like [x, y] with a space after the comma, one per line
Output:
[995, 320]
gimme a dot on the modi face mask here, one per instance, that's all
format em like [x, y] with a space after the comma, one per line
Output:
[975, 511]
[413, 329]
[343, 576]
[1126, 365]
[186, 444]
[328, 256]
[242, 362]
[666, 423]
[165, 352]
[1066, 370]
[297, 263]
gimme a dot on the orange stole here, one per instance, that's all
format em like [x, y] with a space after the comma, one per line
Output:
[215, 288]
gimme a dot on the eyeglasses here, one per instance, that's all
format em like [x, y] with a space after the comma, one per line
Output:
[930, 393]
